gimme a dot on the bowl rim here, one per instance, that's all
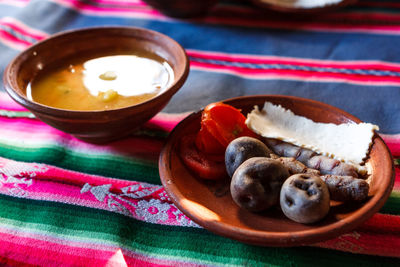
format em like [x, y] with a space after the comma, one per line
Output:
[274, 238]
[84, 114]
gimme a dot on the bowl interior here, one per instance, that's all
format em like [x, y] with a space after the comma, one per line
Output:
[209, 203]
[93, 41]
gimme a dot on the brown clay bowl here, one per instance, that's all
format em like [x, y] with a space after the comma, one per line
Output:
[209, 203]
[95, 126]
[288, 7]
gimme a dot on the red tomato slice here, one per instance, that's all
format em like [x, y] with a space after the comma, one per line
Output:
[201, 164]
[225, 123]
[206, 143]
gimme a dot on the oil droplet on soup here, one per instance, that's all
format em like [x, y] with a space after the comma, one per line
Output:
[101, 83]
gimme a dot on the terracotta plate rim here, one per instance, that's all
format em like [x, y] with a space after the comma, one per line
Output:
[266, 238]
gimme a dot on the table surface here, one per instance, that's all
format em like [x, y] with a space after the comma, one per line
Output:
[66, 202]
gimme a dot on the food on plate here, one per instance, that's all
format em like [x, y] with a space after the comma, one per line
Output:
[294, 166]
[101, 82]
[241, 149]
[220, 124]
[204, 152]
[311, 159]
[266, 171]
[349, 142]
[206, 166]
[346, 188]
[341, 188]
[256, 184]
[304, 198]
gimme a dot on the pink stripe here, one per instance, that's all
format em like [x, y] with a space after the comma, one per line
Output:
[40, 133]
[145, 148]
[162, 121]
[298, 75]
[261, 59]
[12, 41]
[142, 12]
[32, 250]
[166, 121]
[56, 190]
[7, 103]
[23, 29]
[45, 182]
[120, 2]
[393, 142]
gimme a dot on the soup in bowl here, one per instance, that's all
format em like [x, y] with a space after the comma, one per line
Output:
[98, 84]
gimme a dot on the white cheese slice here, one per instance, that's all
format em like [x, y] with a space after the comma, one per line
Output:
[347, 142]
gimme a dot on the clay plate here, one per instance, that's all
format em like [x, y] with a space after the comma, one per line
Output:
[209, 203]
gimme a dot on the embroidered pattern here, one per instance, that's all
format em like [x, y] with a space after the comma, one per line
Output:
[17, 176]
[349, 242]
[142, 201]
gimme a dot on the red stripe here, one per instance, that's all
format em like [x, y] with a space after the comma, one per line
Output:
[6, 260]
[379, 4]
[369, 17]
[377, 236]
[397, 179]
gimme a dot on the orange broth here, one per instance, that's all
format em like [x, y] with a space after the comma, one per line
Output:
[101, 82]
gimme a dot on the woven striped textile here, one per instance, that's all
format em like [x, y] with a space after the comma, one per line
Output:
[64, 202]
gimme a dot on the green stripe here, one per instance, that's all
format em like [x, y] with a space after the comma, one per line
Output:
[392, 205]
[177, 243]
[106, 165]
[16, 114]
[371, 10]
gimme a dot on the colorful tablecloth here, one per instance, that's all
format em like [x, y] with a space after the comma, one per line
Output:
[65, 202]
